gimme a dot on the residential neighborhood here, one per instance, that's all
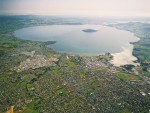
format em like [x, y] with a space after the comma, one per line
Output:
[34, 78]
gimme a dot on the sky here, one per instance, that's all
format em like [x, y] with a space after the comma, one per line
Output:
[77, 7]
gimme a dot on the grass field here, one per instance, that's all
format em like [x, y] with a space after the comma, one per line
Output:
[61, 90]
[26, 76]
[58, 72]
[142, 52]
[125, 76]
[95, 88]
[50, 55]
[6, 45]
[144, 73]
[82, 75]
[24, 83]
[124, 111]
[71, 64]
[90, 89]
[54, 68]
[51, 80]
[31, 107]
[29, 86]
[144, 111]
[98, 87]
[4, 76]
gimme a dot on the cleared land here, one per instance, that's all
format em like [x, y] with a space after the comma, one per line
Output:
[70, 64]
[125, 76]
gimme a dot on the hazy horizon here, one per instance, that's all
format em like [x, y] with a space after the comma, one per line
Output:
[95, 8]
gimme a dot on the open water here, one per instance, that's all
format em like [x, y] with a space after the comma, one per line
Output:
[71, 38]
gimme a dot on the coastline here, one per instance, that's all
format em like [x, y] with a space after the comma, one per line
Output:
[124, 57]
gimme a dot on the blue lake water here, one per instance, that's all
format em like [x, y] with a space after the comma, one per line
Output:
[71, 38]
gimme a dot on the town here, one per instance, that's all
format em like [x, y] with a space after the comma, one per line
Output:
[64, 82]
[35, 78]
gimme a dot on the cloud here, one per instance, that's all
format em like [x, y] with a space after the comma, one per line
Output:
[78, 7]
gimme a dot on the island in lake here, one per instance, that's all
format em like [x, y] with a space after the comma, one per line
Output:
[89, 30]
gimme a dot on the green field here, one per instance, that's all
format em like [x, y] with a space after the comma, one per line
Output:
[125, 76]
[54, 68]
[144, 111]
[50, 55]
[142, 52]
[26, 76]
[144, 73]
[6, 75]
[51, 80]
[61, 90]
[58, 72]
[90, 89]
[29, 86]
[6, 45]
[95, 88]
[24, 83]
[71, 64]
[98, 87]
[124, 111]
[31, 107]
[82, 75]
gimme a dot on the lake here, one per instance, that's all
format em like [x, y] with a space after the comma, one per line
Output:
[71, 38]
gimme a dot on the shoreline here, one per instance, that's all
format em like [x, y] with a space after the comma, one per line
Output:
[122, 58]
[125, 57]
